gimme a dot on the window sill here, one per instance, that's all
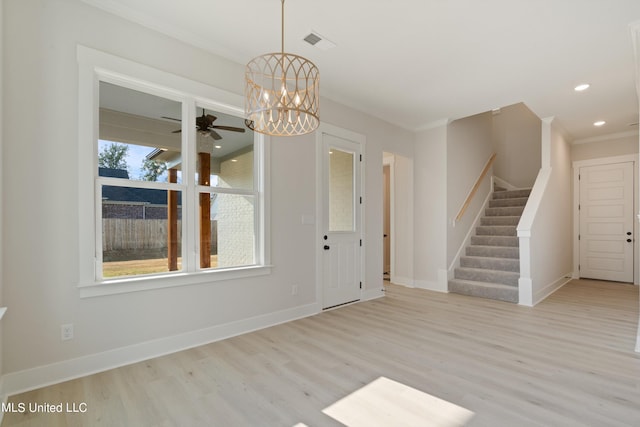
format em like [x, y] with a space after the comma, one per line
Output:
[136, 284]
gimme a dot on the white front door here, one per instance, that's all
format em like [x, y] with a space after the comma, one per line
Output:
[606, 222]
[341, 220]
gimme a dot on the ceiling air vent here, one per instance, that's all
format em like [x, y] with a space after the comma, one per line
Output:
[312, 39]
[315, 39]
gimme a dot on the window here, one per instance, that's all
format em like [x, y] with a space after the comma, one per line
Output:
[178, 189]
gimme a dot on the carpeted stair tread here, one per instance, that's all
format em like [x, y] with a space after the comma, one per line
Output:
[505, 211]
[489, 276]
[495, 241]
[491, 266]
[496, 230]
[493, 251]
[500, 220]
[512, 194]
[484, 290]
[491, 263]
[502, 203]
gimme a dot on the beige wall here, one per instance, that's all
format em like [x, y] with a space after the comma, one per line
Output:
[1, 182]
[403, 219]
[469, 147]
[430, 220]
[607, 148]
[635, 37]
[516, 140]
[546, 259]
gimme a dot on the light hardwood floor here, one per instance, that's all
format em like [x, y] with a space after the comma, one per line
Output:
[568, 361]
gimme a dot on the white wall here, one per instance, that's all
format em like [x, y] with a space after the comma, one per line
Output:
[516, 139]
[41, 80]
[430, 220]
[545, 226]
[469, 147]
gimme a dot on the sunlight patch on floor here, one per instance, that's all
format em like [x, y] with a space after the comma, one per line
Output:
[384, 402]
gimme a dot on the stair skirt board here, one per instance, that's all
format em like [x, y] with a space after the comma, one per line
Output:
[490, 267]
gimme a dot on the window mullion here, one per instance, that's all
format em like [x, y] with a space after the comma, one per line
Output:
[224, 190]
[190, 242]
[97, 264]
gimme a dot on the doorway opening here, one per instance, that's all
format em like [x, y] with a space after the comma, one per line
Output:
[387, 196]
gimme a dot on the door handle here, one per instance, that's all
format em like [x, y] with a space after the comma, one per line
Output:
[628, 233]
[629, 240]
[326, 247]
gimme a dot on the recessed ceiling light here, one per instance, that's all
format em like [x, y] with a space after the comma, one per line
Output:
[581, 87]
[599, 123]
[234, 160]
[218, 146]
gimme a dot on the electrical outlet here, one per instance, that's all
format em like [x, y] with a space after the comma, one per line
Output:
[294, 290]
[66, 331]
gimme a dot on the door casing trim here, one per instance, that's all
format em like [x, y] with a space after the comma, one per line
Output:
[576, 165]
[326, 128]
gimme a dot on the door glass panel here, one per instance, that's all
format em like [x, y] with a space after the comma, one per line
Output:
[341, 190]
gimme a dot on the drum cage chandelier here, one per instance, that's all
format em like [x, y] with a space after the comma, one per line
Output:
[282, 93]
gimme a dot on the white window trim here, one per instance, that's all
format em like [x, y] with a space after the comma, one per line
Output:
[96, 66]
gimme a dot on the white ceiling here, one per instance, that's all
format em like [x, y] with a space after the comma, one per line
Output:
[416, 62]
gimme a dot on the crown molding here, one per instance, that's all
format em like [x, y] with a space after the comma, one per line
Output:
[608, 137]
[433, 125]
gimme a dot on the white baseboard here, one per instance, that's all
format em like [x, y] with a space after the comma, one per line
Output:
[502, 183]
[443, 279]
[30, 379]
[371, 294]
[544, 293]
[431, 286]
[400, 280]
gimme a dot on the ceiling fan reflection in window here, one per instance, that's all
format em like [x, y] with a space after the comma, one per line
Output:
[205, 126]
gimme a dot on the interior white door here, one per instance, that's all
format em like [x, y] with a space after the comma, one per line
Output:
[606, 222]
[341, 221]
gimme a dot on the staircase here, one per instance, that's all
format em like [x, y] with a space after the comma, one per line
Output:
[491, 267]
